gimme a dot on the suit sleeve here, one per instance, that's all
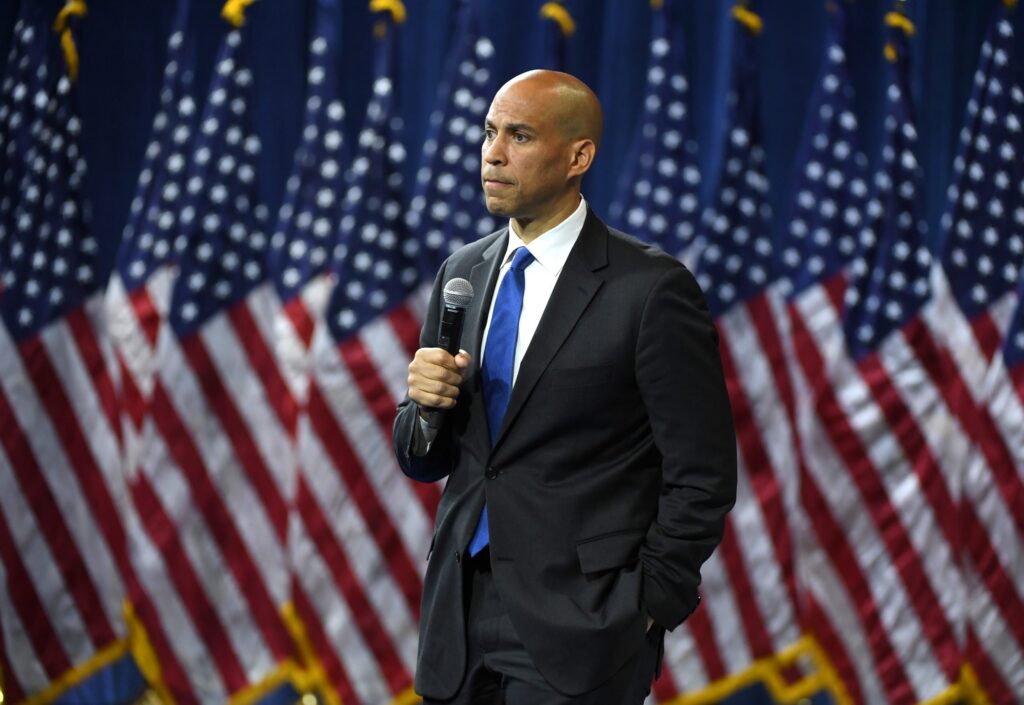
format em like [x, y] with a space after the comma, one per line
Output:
[679, 373]
[436, 464]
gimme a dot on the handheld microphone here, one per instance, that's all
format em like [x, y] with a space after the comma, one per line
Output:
[458, 294]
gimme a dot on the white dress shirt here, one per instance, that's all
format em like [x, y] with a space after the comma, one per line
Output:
[550, 251]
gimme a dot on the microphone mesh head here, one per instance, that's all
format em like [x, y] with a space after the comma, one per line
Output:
[458, 293]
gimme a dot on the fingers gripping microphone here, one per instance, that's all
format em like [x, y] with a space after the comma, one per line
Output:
[458, 294]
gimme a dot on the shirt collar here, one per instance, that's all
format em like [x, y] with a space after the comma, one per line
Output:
[551, 248]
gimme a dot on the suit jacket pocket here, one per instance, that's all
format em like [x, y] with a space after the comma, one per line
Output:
[579, 376]
[610, 551]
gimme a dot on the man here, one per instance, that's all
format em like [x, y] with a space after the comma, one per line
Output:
[586, 435]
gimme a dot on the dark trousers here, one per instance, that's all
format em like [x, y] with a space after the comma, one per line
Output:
[500, 672]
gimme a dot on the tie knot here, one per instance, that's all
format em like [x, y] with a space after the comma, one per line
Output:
[521, 259]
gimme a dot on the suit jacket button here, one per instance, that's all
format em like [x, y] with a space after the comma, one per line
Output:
[458, 557]
[491, 473]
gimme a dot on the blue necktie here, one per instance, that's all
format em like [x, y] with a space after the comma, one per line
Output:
[499, 361]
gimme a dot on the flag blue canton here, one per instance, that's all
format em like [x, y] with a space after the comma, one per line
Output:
[448, 209]
[307, 227]
[224, 224]
[890, 275]
[984, 226]
[375, 269]
[736, 262]
[48, 258]
[831, 190]
[148, 242]
[658, 195]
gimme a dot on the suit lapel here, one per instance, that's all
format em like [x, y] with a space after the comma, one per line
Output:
[483, 276]
[577, 284]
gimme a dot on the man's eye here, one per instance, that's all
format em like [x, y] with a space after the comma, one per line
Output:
[488, 135]
[519, 137]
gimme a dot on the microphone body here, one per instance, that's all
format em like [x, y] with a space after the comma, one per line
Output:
[458, 294]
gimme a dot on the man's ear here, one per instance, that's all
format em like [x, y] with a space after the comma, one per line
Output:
[583, 154]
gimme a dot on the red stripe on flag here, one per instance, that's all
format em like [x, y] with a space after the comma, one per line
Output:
[1016, 374]
[975, 419]
[664, 686]
[334, 669]
[987, 333]
[750, 613]
[707, 646]
[131, 401]
[304, 324]
[165, 536]
[345, 462]
[875, 498]
[264, 363]
[764, 479]
[991, 681]
[827, 530]
[347, 582]
[1001, 588]
[30, 608]
[833, 647]
[50, 523]
[146, 314]
[833, 540]
[382, 406]
[222, 403]
[220, 523]
[49, 389]
[407, 328]
[903, 426]
[86, 337]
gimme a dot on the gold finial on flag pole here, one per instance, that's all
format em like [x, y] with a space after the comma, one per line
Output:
[747, 18]
[556, 11]
[234, 11]
[62, 26]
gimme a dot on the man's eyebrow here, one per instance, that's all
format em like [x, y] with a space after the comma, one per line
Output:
[511, 126]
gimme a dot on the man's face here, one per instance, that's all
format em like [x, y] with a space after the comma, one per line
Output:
[525, 157]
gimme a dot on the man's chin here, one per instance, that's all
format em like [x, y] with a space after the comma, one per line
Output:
[496, 207]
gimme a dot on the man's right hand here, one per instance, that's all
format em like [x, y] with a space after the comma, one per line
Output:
[435, 376]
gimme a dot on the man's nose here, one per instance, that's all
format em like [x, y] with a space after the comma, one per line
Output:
[494, 151]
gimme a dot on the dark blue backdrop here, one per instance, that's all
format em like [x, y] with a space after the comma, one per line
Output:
[122, 44]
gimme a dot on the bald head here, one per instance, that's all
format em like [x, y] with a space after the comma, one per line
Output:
[573, 106]
[540, 137]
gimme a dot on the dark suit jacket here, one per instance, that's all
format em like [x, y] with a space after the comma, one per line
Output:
[610, 479]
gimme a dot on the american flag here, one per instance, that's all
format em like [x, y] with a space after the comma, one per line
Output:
[975, 294]
[877, 495]
[299, 260]
[830, 199]
[63, 559]
[363, 528]
[994, 644]
[749, 610]
[659, 191]
[448, 208]
[137, 301]
[307, 225]
[215, 467]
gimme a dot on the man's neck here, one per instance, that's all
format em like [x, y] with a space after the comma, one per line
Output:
[530, 230]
